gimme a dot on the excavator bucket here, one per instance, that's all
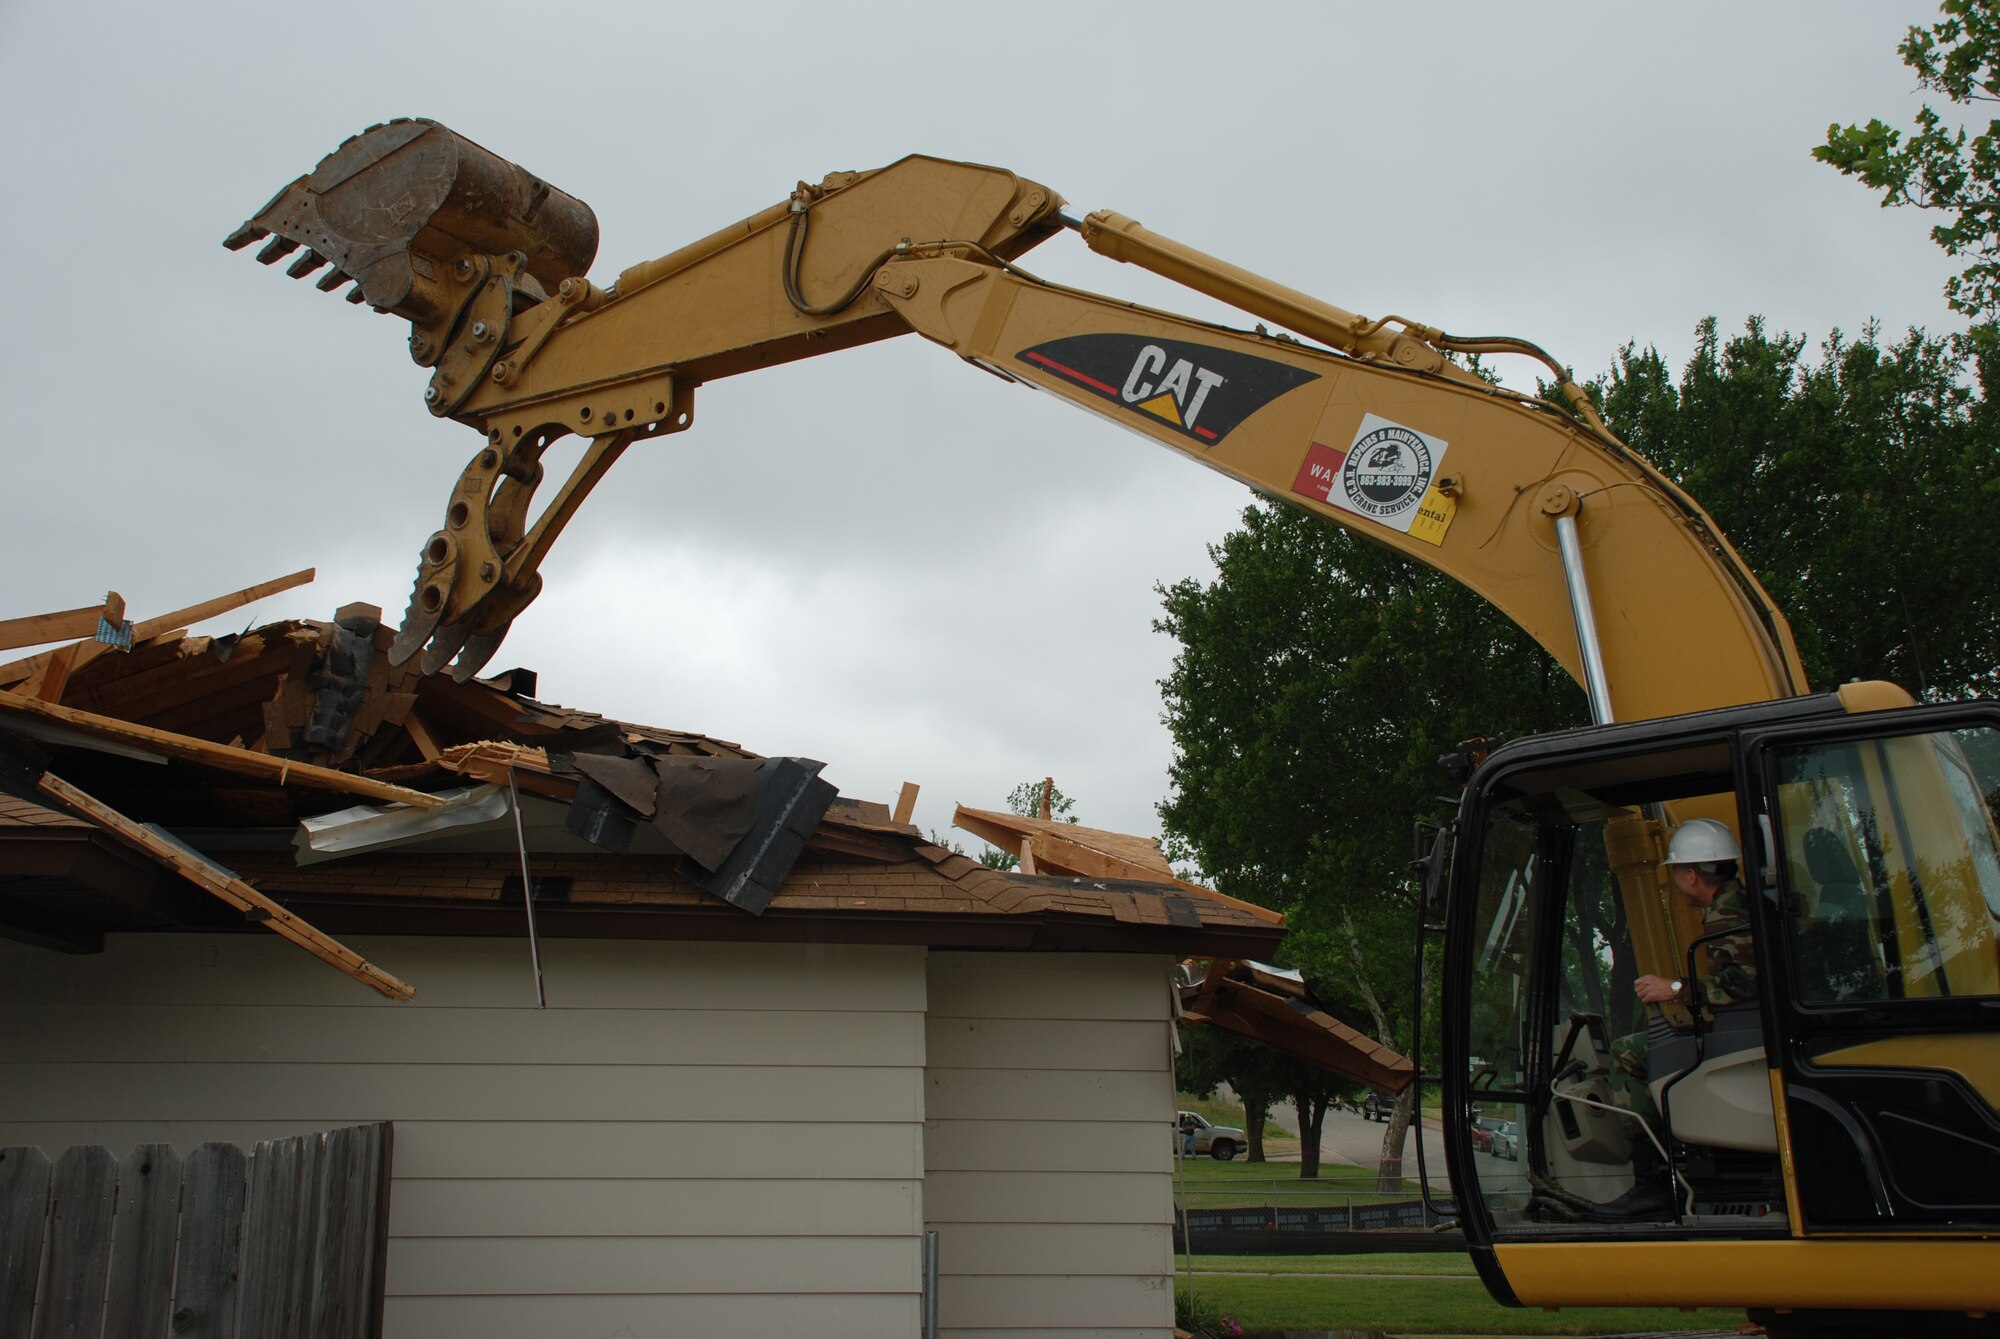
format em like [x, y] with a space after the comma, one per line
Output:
[396, 209]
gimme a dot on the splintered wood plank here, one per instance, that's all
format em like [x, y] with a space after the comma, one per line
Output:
[24, 1220]
[227, 887]
[85, 1189]
[347, 1273]
[153, 627]
[142, 1243]
[208, 1275]
[242, 762]
[906, 802]
[221, 604]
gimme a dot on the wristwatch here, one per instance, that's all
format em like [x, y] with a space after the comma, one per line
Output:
[1677, 986]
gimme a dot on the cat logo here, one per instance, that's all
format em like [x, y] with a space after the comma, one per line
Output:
[1176, 397]
[1194, 390]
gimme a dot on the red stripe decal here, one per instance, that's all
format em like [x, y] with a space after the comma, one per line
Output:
[1071, 373]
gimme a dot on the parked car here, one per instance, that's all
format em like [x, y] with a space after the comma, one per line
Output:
[1377, 1106]
[1484, 1128]
[1221, 1142]
[1507, 1141]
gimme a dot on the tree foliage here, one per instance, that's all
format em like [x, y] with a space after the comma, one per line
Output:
[1939, 167]
[1257, 1075]
[1859, 487]
[1026, 800]
[1318, 681]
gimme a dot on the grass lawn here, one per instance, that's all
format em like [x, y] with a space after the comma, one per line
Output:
[1337, 1294]
[1204, 1183]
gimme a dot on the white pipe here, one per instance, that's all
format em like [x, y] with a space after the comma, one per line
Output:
[1595, 685]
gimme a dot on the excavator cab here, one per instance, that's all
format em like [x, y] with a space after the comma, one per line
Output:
[1852, 1101]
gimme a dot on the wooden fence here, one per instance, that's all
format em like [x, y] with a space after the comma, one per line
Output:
[285, 1242]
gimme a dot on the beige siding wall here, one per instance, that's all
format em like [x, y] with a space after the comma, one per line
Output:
[691, 1139]
[1047, 1154]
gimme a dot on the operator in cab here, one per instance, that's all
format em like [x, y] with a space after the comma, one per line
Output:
[1702, 860]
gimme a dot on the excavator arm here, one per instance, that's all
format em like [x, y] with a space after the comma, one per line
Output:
[1535, 506]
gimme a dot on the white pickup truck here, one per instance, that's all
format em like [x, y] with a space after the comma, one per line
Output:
[1221, 1142]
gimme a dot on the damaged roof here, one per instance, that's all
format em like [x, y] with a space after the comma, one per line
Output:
[265, 763]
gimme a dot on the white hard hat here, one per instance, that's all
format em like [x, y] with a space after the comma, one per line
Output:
[1702, 841]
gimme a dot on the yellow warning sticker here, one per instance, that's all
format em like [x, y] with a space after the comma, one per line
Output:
[1433, 517]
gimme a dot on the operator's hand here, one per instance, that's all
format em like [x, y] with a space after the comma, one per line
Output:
[1656, 990]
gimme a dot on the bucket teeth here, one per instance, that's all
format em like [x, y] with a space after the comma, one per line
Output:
[305, 264]
[331, 280]
[357, 295]
[276, 250]
[244, 236]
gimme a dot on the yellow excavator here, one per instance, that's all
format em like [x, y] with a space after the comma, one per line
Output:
[1827, 1152]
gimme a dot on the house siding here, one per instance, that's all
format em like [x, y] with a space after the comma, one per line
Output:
[691, 1138]
[1047, 1156]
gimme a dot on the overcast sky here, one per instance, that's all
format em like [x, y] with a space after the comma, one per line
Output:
[881, 559]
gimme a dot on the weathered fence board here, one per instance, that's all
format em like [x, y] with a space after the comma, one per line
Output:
[286, 1243]
[142, 1239]
[352, 1231]
[24, 1218]
[83, 1198]
[207, 1277]
[284, 1199]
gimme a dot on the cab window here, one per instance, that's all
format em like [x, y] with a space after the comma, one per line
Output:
[1893, 866]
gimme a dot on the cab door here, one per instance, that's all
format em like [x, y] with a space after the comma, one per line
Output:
[1877, 832]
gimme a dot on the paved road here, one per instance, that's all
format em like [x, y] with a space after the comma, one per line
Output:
[1347, 1138]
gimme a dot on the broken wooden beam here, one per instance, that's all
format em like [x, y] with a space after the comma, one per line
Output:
[65, 625]
[219, 881]
[33, 667]
[243, 762]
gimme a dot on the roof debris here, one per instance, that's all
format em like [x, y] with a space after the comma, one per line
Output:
[232, 765]
[252, 750]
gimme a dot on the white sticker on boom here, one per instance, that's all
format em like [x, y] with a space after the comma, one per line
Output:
[1387, 473]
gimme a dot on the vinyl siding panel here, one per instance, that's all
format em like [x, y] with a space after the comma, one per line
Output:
[577, 1316]
[1047, 1160]
[692, 1138]
[1009, 1145]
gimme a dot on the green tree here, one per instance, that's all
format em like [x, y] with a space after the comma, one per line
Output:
[1860, 487]
[1027, 799]
[1939, 167]
[1319, 678]
[1211, 1057]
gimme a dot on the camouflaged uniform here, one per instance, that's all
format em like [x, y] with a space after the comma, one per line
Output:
[1732, 977]
[1732, 961]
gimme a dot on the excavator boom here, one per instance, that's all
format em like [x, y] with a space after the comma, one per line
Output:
[1381, 432]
